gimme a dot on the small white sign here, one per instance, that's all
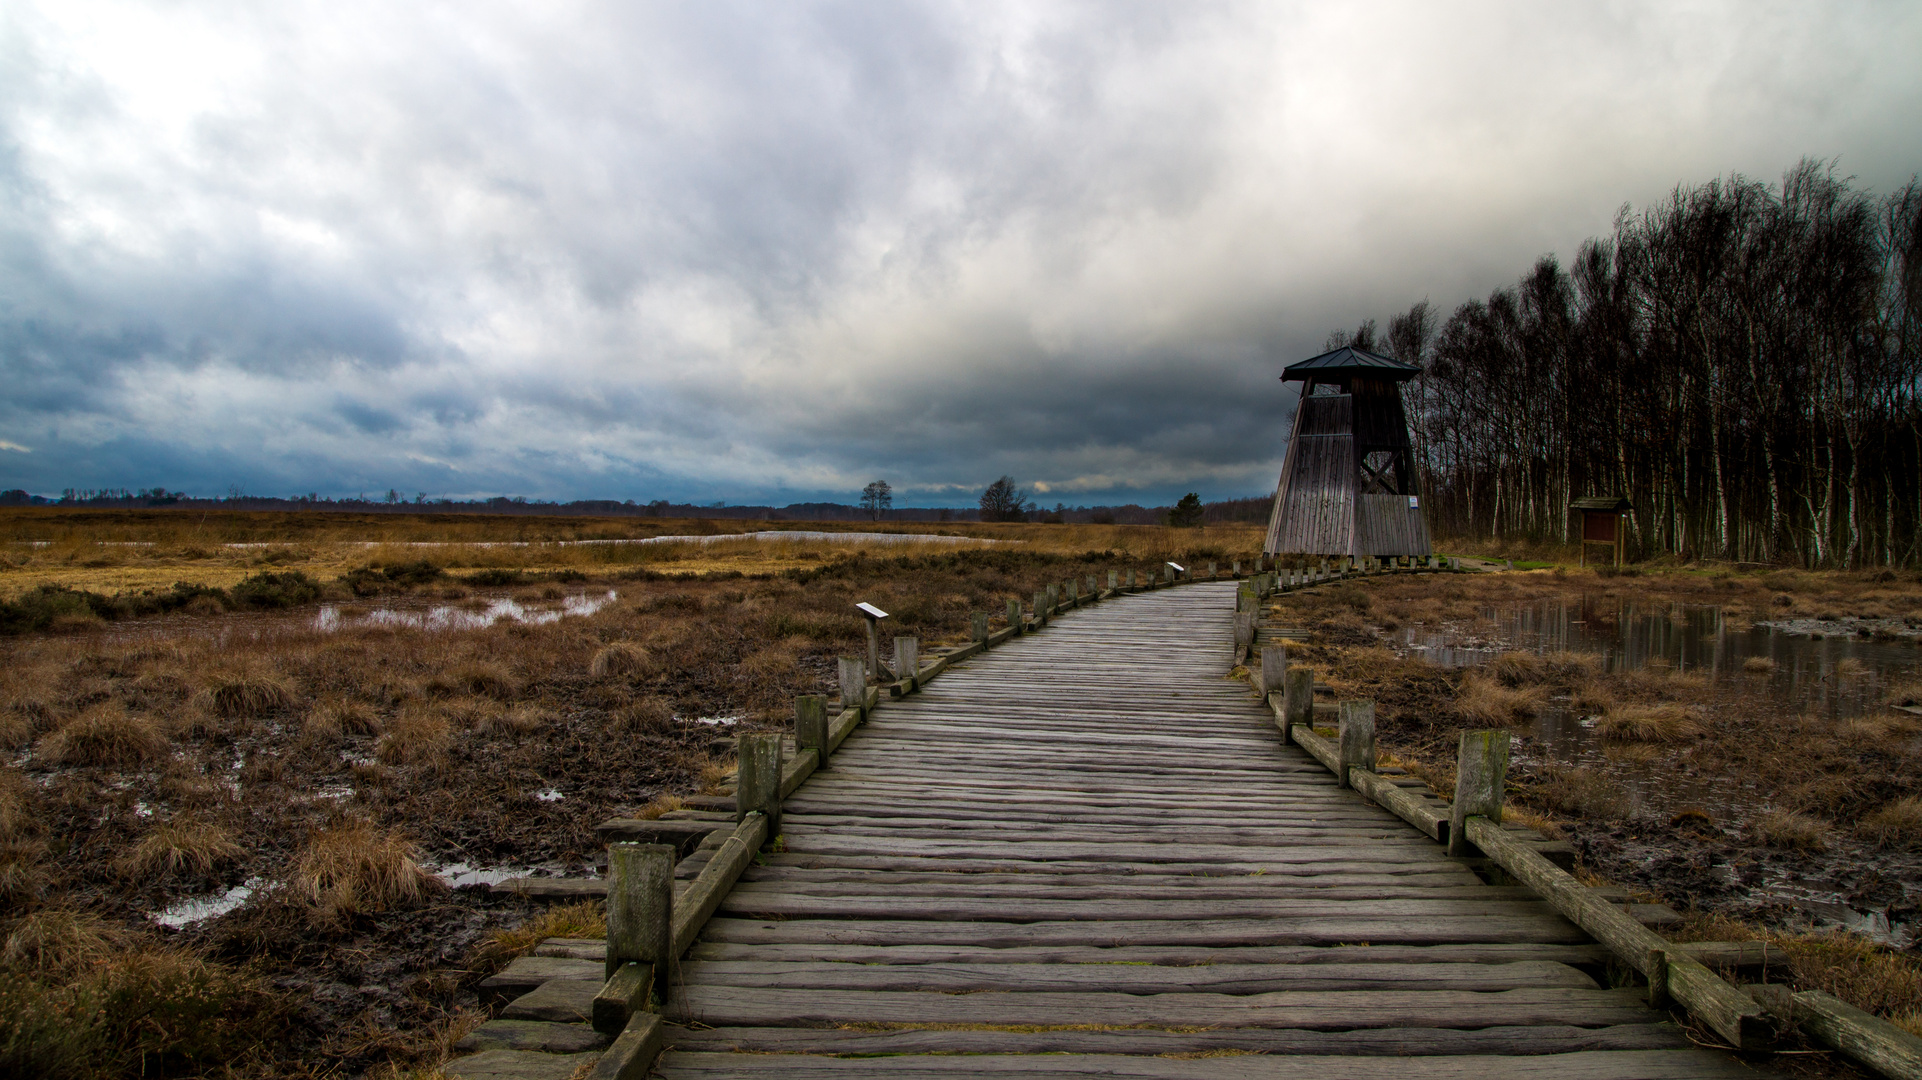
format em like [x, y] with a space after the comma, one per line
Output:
[871, 611]
[1179, 569]
[1414, 502]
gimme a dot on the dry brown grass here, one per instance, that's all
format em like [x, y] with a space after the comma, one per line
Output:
[1896, 824]
[352, 868]
[476, 677]
[329, 720]
[1906, 692]
[1485, 702]
[1518, 669]
[417, 736]
[1650, 724]
[197, 847]
[621, 658]
[1758, 665]
[243, 695]
[517, 722]
[586, 919]
[659, 805]
[17, 817]
[60, 941]
[1790, 830]
[105, 736]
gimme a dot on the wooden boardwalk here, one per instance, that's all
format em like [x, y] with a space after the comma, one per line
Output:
[1087, 853]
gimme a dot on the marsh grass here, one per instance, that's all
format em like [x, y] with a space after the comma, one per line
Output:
[352, 868]
[1896, 824]
[183, 844]
[1790, 830]
[586, 919]
[1487, 702]
[245, 695]
[1650, 724]
[105, 736]
[620, 658]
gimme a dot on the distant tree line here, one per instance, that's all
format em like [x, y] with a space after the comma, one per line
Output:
[876, 505]
[1742, 361]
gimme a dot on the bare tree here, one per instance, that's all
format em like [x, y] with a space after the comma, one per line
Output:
[1743, 361]
[877, 499]
[1002, 501]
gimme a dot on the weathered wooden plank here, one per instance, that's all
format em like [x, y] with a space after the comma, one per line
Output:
[1039, 907]
[1137, 978]
[1335, 1010]
[1587, 955]
[1688, 1064]
[1369, 1042]
[1324, 930]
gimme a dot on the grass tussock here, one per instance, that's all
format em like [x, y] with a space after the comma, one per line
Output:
[1650, 724]
[1790, 830]
[353, 868]
[486, 678]
[1896, 824]
[246, 695]
[330, 720]
[415, 737]
[620, 658]
[106, 736]
[1485, 701]
[1759, 665]
[182, 845]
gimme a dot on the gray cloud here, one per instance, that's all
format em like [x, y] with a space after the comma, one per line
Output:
[774, 251]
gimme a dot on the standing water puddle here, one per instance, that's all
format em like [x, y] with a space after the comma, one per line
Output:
[1834, 677]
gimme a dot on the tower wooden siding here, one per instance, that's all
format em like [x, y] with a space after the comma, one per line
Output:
[1322, 503]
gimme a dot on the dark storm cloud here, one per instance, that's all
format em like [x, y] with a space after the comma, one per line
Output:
[774, 251]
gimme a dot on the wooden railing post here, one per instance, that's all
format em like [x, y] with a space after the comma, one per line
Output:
[854, 685]
[758, 786]
[907, 660]
[1355, 739]
[811, 727]
[1297, 700]
[978, 627]
[1274, 666]
[1040, 608]
[1014, 614]
[640, 905]
[1481, 777]
[1234, 568]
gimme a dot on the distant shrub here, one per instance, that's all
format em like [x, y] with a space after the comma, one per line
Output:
[399, 577]
[276, 589]
[496, 577]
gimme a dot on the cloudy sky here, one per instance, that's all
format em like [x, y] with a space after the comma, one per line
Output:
[770, 251]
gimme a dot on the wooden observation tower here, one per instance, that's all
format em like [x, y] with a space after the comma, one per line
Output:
[1348, 483]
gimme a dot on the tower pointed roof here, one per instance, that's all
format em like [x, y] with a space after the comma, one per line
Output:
[1346, 363]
